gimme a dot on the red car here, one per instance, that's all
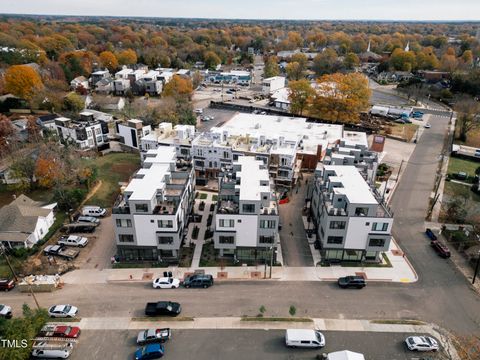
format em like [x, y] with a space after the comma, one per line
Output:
[63, 331]
[441, 249]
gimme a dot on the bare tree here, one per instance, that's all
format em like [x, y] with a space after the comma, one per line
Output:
[468, 116]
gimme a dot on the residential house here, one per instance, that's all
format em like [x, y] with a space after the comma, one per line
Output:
[272, 84]
[104, 86]
[24, 222]
[246, 215]
[96, 76]
[352, 222]
[131, 132]
[80, 82]
[86, 135]
[47, 122]
[151, 215]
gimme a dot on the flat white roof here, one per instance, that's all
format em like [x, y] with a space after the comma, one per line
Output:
[144, 189]
[250, 177]
[273, 78]
[354, 187]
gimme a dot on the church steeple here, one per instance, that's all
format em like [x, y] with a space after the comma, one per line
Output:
[368, 48]
[407, 48]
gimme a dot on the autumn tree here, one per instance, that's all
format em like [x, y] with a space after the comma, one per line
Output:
[403, 60]
[301, 93]
[23, 170]
[468, 117]
[351, 61]
[326, 62]
[271, 67]
[48, 170]
[211, 60]
[341, 97]
[127, 57]
[22, 81]
[73, 102]
[178, 87]
[295, 71]
[109, 60]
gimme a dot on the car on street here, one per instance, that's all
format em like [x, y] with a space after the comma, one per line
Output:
[431, 235]
[417, 114]
[304, 338]
[160, 308]
[198, 111]
[7, 284]
[421, 343]
[427, 126]
[441, 249]
[5, 311]
[73, 240]
[153, 336]
[46, 350]
[357, 282]
[62, 331]
[63, 311]
[88, 219]
[166, 283]
[151, 351]
[198, 280]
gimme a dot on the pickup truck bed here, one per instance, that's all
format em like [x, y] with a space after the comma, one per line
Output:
[61, 251]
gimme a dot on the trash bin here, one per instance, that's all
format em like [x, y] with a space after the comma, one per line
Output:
[170, 274]
[165, 274]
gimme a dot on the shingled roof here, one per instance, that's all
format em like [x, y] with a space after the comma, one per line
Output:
[19, 219]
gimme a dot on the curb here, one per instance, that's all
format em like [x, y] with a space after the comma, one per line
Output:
[407, 261]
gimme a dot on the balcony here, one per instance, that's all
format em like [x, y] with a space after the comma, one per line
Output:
[120, 206]
[165, 208]
[227, 207]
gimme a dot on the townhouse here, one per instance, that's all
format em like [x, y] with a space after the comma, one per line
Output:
[84, 133]
[151, 214]
[351, 220]
[246, 215]
[131, 132]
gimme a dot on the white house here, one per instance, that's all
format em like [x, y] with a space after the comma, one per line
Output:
[131, 132]
[272, 84]
[24, 222]
[79, 82]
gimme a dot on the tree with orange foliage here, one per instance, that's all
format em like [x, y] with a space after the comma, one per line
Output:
[341, 97]
[127, 57]
[178, 87]
[22, 81]
[109, 60]
[48, 171]
[33, 130]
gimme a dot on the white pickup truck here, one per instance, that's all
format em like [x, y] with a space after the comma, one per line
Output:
[73, 240]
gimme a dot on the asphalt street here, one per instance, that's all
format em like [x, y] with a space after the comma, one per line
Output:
[243, 344]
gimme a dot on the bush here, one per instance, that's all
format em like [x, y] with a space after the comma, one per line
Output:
[195, 231]
[209, 220]
[292, 310]
[212, 207]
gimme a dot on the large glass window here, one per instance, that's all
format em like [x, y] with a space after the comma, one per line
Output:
[376, 242]
[226, 239]
[361, 211]
[337, 224]
[266, 239]
[125, 238]
[335, 240]
[165, 223]
[379, 226]
[248, 208]
[141, 207]
[227, 223]
[268, 224]
[165, 240]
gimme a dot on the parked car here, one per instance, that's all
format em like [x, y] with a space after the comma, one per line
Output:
[417, 114]
[63, 331]
[430, 234]
[7, 284]
[441, 249]
[63, 311]
[45, 350]
[73, 240]
[95, 211]
[461, 175]
[351, 281]
[79, 227]
[5, 311]
[61, 251]
[427, 126]
[151, 351]
[421, 343]
[88, 219]
[166, 283]
[198, 111]
[204, 281]
[477, 153]
[304, 338]
[153, 336]
[163, 308]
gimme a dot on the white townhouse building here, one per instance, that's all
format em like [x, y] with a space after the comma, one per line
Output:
[86, 135]
[151, 214]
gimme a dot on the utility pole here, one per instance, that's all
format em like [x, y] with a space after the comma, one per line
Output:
[271, 260]
[476, 268]
[399, 171]
[8, 263]
[265, 261]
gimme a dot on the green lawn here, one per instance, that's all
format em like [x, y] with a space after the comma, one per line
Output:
[456, 165]
[112, 169]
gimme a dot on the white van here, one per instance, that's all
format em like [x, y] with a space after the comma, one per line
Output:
[304, 338]
[95, 211]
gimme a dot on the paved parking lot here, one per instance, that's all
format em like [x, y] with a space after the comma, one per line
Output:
[243, 344]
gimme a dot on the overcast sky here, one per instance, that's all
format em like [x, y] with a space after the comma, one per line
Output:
[256, 9]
